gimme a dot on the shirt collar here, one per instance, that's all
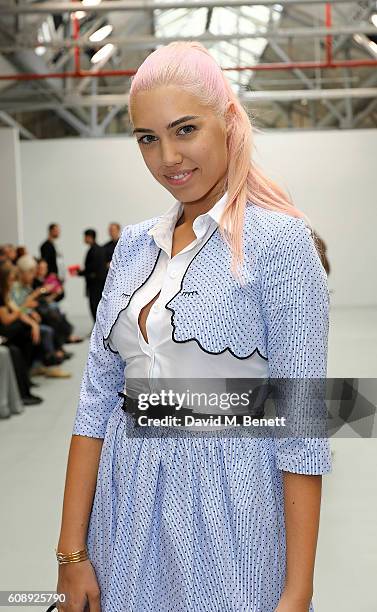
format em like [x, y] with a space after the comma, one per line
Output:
[166, 223]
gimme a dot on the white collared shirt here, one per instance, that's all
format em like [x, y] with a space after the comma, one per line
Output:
[161, 356]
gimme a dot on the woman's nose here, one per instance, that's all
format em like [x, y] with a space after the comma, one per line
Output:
[169, 154]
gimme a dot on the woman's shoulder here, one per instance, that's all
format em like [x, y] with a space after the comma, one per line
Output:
[268, 226]
[135, 231]
[271, 220]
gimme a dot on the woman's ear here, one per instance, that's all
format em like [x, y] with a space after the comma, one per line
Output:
[230, 109]
[229, 113]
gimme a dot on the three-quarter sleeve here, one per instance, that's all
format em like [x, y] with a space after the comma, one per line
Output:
[103, 376]
[295, 302]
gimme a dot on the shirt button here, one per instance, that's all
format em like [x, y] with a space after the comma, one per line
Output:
[173, 273]
[156, 307]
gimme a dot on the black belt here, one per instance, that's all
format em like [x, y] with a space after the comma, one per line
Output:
[130, 405]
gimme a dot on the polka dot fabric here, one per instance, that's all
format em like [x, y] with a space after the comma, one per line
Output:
[188, 522]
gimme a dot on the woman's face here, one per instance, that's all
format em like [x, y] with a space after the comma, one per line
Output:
[27, 276]
[42, 269]
[196, 144]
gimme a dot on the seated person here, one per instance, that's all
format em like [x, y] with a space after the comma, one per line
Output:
[19, 333]
[27, 299]
[54, 292]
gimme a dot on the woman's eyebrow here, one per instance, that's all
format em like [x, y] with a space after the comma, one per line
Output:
[170, 125]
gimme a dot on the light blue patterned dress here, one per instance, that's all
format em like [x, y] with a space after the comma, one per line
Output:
[183, 521]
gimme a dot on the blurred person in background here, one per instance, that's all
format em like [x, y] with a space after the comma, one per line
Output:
[3, 256]
[10, 253]
[27, 299]
[43, 279]
[94, 270]
[20, 334]
[51, 254]
[20, 252]
[48, 301]
[114, 230]
[10, 400]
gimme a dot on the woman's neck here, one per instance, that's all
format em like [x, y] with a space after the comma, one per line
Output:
[191, 210]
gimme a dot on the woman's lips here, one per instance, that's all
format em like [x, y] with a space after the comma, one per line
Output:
[181, 181]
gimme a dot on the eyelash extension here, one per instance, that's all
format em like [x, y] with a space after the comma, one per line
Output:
[182, 128]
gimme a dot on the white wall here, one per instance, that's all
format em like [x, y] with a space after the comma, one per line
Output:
[331, 176]
[11, 229]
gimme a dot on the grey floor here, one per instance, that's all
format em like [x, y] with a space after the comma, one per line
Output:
[33, 453]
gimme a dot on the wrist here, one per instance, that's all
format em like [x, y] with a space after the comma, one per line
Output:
[302, 596]
[68, 545]
[74, 556]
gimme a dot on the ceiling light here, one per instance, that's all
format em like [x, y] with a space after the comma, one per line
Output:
[91, 2]
[374, 19]
[103, 53]
[101, 33]
[43, 34]
[78, 14]
[40, 50]
[372, 46]
[46, 32]
[358, 38]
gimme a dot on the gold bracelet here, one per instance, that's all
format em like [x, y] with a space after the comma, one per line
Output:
[73, 557]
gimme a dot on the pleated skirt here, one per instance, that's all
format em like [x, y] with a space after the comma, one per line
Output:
[183, 521]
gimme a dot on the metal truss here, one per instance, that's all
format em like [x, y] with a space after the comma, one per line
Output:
[310, 65]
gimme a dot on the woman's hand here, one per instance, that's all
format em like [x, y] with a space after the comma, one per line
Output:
[30, 302]
[289, 602]
[36, 316]
[35, 333]
[78, 581]
[36, 293]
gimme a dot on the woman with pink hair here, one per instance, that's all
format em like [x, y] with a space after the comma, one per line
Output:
[199, 511]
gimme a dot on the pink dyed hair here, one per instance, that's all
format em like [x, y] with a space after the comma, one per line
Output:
[191, 67]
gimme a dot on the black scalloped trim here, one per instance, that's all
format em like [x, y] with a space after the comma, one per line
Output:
[120, 312]
[195, 339]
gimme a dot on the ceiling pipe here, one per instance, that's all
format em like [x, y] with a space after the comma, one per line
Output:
[328, 37]
[76, 36]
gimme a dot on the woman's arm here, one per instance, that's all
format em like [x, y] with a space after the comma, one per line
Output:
[81, 477]
[6, 317]
[302, 501]
[295, 301]
[103, 378]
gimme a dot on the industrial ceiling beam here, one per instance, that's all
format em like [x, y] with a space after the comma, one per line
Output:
[252, 97]
[150, 42]
[143, 5]
[364, 113]
[369, 82]
[302, 76]
[8, 120]
[29, 61]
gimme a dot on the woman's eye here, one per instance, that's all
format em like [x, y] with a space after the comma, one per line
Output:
[185, 127]
[143, 141]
